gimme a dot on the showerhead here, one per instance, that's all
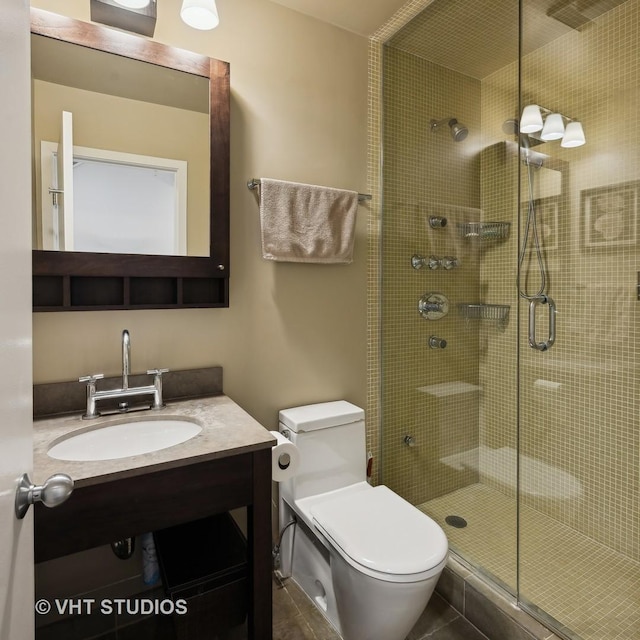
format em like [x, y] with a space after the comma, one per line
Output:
[511, 127]
[458, 131]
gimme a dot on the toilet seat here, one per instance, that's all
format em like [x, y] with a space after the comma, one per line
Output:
[381, 534]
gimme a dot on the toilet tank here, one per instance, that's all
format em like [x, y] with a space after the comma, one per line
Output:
[331, 439]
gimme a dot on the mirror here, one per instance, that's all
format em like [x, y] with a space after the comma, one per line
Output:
[133, 127]
[108, 103]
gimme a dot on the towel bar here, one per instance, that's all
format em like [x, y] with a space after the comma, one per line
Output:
[254, 183]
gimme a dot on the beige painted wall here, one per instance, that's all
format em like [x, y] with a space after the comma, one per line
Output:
[294, 333]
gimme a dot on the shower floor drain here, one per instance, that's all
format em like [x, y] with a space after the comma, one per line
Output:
[456, 521]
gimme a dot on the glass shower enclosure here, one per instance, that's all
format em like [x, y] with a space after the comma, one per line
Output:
[509, 296]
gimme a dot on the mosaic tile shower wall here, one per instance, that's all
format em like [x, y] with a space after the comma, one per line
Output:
[427, 174]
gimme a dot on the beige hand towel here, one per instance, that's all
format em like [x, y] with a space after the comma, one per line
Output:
[307, 223]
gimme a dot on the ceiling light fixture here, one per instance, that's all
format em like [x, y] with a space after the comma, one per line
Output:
[200, 14]
[136, 16]
[133, 4]
[139, 16]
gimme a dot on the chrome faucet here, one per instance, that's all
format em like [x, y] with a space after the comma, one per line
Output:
[126, 358]
[154, 390]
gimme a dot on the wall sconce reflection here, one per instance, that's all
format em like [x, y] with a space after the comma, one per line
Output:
[545, 125]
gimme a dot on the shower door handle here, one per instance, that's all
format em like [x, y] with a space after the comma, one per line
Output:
[547, 344]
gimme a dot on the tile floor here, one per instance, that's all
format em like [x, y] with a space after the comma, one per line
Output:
[294, 618]
[564, 573]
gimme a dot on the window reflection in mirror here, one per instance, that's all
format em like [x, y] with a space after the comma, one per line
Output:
[122, 202]
[120, 107]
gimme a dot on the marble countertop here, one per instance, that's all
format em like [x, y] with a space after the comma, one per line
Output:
[227, 430]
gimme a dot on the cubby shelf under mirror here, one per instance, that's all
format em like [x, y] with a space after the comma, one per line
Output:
[85, 293]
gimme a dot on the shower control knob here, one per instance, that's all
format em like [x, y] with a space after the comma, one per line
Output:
[410, 441]
[437, 343]
[449, 262]
[433, 262]
[417, 261]
[433, 306]
[437, 222]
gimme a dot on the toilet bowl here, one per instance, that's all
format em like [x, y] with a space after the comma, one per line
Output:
[367, 558]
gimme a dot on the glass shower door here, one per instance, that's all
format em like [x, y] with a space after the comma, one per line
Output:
[527, 457]
[449, 234]
[578, 425]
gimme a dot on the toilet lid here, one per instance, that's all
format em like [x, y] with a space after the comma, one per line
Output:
[383, 532]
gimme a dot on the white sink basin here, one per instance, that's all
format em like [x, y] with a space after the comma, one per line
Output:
[130, 438]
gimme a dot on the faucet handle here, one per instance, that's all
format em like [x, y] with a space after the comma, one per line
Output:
[156, 372]
[92, 378]
[158, 402]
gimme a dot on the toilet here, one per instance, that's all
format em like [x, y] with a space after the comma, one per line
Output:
[367, 558]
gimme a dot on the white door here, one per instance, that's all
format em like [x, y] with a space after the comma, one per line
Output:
[16, 536]
[65, 181]
[57, 189]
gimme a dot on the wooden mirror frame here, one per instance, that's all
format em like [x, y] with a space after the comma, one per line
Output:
[75, 281]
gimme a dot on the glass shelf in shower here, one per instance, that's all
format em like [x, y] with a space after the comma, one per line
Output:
[496, 313]
[484, 232]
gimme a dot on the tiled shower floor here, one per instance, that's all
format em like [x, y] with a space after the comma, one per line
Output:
[587, 587]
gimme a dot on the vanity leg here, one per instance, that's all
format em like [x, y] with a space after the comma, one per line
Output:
[259, 525]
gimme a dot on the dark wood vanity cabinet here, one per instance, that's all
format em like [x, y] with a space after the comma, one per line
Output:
[100, 513]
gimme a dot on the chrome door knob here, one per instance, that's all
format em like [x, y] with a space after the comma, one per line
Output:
[52, 493]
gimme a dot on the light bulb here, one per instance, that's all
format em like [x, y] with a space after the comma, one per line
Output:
[133, 4]
[573, 135]
[200, 14]
[553, 127]
[531, 120]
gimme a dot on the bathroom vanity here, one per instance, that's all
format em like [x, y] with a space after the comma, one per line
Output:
[226, 466]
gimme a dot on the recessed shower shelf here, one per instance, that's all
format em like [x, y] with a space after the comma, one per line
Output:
[497, 313]
[484, 232]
